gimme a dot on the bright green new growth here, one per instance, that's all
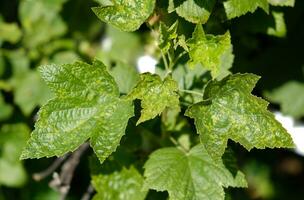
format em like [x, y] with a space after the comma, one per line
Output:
[291, 98]
[120, 185]
[155, 95]
[236, 8]
[188, 175]
[195, 11]
[208, 50]
[231, 112]
[12, 139]
[126, 15]
[86, 106]
[168, 37]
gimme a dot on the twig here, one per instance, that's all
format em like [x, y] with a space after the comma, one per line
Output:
[61, 182]
[87, 195]
[48, 171]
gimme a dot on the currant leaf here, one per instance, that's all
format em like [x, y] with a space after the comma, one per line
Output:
[128, 185]
[209, 50]
[195, 11]
[126, 15]
[155, 95]
[291, 98]
[86, 106]
[282, 2]
[188, 175]
[231, 112]
[236, 8]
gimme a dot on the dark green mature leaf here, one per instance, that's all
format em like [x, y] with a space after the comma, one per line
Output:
[231, 112]
[291, 98]
[86, 106]
[195, 11]
[126, 15]
[191, 175]
[210, 51]
[236, 8]
[123, 185]
[12, 140]
[155, 95]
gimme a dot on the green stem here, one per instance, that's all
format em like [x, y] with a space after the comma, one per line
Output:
[192, 92]
[178, 57]
[165, 61]
[176, 143]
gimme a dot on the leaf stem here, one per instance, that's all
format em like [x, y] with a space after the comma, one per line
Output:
[192, 92]
[176, 143]
[165, 61]
[178, 57]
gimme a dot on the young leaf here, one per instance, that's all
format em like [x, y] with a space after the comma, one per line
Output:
[167, 37]
[291, 98]
[126, 15]
[231, 112]
[195, 11]
[208, 50]
[236, 8]
[12, 139]
[191, 175]
[155, 95]
[86, 105]
[123, 185]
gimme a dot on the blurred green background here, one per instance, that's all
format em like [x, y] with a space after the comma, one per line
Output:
[37, 32]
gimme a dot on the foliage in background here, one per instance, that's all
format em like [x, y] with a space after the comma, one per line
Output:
[179, 133]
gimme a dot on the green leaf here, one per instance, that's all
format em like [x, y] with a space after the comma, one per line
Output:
[155, 95]
[191, 175]
[41, 21]
[168, 36]
[126, 15]
[231, 112]
[236, 8]
[12, 139]
[280, 27]
[282, 2]
[291, 98]
[5, 109]
[195, 11]
[123, 185]
[210, 51]
[29, 91]
[9, 32]
[86, 106]
[125, 76]
[113, 42]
